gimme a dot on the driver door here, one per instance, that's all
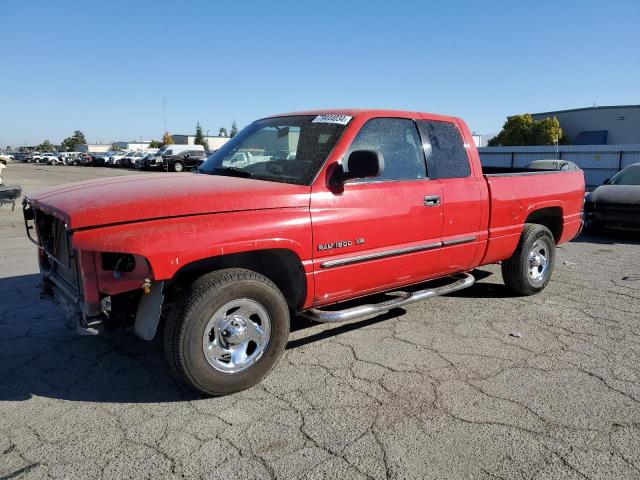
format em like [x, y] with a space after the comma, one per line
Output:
[378, 233]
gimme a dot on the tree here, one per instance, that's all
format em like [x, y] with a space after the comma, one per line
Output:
[155, 144]
[234, 129]
[521, 130]
[45, 146]
[200, 140]
[167, 139]
[115, 147]
[71, 143]
[223, 132]
[548, 132]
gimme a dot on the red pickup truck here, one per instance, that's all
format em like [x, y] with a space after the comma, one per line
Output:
[324, 207]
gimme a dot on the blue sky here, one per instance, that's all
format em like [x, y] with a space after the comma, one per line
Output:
[104, 67]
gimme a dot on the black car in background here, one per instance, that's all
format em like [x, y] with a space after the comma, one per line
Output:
[616, 204]
[174, 158]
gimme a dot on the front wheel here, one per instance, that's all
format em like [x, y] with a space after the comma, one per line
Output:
[529, 269]
[178, 167]
[229, 333]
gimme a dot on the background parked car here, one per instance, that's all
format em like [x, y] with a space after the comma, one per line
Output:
[616, 204]
[177, 158]
[36, 157]
[50, 159]
[85, 159]
[115, 160]
[131, 161]
[552, 165]
[100, 159]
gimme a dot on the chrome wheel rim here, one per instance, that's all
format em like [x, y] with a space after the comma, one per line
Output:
[236, 335]
[538, 261]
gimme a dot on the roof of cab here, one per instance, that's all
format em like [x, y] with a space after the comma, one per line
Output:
[369, 112]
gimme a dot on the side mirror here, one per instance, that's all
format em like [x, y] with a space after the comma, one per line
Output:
[607, 181]
[360, 164]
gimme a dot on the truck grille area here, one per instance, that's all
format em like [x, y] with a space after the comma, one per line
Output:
[58, 262]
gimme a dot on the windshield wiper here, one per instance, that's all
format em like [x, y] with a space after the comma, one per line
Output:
[233, 171]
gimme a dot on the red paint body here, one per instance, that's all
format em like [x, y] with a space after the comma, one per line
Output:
[175, 219]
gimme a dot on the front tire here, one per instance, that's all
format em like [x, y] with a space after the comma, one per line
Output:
[178, 167]
[529, 269]
[229, 333]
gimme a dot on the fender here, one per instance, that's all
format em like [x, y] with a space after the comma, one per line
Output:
[169, 244]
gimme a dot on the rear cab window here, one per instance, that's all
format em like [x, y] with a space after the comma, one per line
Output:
[444, 149]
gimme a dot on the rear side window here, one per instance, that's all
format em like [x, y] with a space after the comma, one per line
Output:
[444, 149]
[398, 141]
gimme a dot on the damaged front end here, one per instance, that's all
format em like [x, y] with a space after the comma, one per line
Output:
[98, 290]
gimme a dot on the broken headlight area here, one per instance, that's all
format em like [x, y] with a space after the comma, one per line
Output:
[118, 263]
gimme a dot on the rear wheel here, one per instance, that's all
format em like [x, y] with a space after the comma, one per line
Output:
[529, 269]
[229, 333]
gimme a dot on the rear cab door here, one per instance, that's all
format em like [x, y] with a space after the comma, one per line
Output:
[447, 145]
[375, 234]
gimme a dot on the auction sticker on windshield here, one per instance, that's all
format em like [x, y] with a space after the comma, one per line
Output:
[332, 118]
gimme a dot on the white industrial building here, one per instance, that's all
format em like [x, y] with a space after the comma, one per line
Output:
[132, 146]
[607, 125]
[94, 147]
[213, 142]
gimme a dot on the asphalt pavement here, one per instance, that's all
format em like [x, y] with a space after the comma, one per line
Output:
[477, 384]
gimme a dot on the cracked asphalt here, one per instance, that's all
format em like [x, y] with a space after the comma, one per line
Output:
[440, 389]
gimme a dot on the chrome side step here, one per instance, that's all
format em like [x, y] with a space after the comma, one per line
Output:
[459, 281]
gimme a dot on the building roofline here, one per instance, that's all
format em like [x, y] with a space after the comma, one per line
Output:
[599, 107]
[193, 135]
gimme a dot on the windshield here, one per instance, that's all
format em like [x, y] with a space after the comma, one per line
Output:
[628, 176]
[283, 149]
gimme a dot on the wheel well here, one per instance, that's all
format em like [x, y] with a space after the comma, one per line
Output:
[550, 217]
[281, 266]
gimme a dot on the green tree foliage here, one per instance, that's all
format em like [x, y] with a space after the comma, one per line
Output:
[45, 146]
[155, 144]
[70, 144]
[521, 130]
[200, 140]
[167, 139]
[223, 132]
[234, 129]
[115, 148]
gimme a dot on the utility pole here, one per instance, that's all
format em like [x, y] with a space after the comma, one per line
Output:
[164, 112]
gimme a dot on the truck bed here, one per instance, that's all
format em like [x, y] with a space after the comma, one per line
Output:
[514, 193]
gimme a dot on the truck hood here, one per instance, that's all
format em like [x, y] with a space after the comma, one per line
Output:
[145, 197]
[621, 194]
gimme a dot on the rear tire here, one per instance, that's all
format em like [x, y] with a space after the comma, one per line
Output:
[230, 331]
[529, 269]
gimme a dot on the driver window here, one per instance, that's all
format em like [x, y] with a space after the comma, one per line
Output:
[399, 142]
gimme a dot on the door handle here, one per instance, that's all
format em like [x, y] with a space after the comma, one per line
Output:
[432, 200]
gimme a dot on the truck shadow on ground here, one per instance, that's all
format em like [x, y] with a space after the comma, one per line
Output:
[40, 355]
